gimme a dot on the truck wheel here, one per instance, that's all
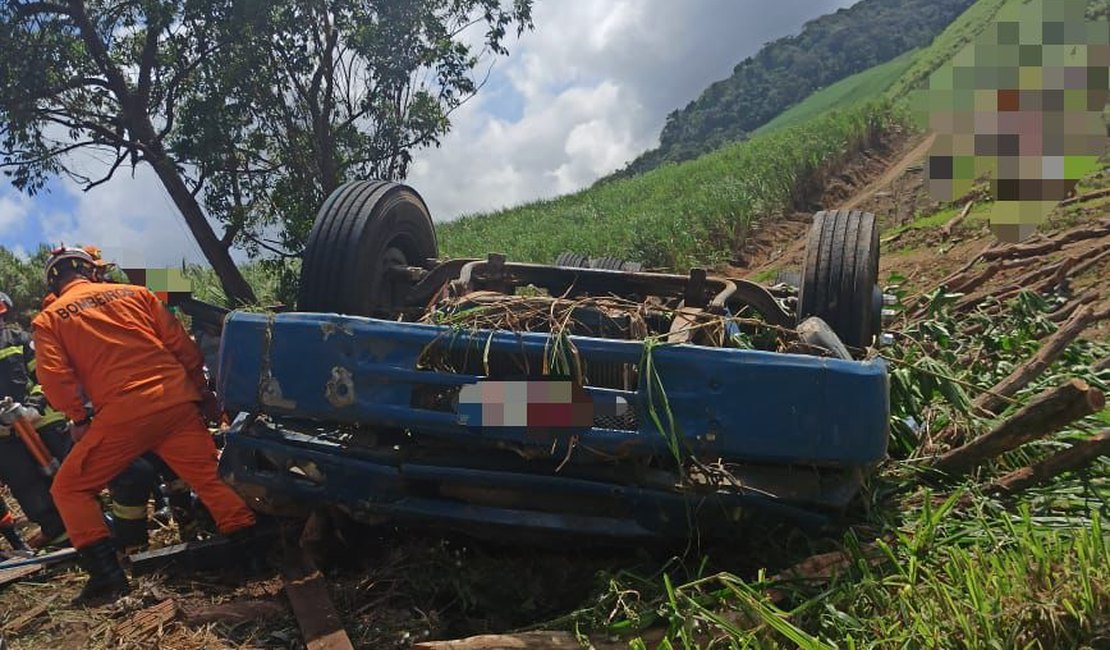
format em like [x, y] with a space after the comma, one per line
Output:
[362, 229]
[840, 275]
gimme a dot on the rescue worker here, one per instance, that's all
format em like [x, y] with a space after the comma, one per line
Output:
[171, 495]
[18, 469]
[128, 492]
[7, 529]
[145, 378]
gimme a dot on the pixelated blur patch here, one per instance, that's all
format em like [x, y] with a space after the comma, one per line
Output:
[166, 283]
[1024, 107]
[541, 405]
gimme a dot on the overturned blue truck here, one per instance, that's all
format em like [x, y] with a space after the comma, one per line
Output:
[403, 388]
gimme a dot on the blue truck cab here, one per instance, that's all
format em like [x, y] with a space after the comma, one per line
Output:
[366, 401]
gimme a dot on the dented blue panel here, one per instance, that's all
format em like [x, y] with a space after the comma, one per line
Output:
[726, 403]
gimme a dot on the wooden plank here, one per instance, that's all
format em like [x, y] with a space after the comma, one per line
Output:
[19, 624]
[145, 622]
[308, 594]
[18, 573]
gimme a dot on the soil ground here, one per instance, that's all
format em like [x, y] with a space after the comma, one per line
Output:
[392, 588]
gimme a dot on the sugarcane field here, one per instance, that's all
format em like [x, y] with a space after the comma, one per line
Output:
[489, 324]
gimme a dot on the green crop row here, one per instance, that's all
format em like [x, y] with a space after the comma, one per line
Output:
[677, 216]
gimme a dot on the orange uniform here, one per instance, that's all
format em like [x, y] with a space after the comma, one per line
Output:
[143, 374]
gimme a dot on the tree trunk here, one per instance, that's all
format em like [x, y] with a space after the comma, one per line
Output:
[235, 286]
[1075, 457]
[1054, 346]
[1048, 412]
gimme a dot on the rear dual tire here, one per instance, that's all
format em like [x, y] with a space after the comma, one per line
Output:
[364, 228]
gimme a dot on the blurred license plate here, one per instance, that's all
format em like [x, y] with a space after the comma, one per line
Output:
[544, 404]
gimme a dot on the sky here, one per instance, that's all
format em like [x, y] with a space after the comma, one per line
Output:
[577, 98]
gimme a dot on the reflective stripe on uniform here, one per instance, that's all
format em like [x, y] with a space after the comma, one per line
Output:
[10, 351]
[31, 365]
[121, 511]
[51, 417]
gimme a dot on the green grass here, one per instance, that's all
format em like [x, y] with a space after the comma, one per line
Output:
[843, 94]
[679, 215]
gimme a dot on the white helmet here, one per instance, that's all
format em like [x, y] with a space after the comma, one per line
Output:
[66, 258]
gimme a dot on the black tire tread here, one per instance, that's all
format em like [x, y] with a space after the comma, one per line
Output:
[346, 233]
[840, 271]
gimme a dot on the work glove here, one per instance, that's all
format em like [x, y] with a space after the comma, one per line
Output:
[31, 415]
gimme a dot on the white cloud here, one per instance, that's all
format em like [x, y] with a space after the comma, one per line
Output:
[596, 79]
[14, 208]
[132, 219]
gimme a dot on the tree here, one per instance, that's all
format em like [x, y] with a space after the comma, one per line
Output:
[107, 77]
[23, 281]
[352, 88]
[258, 108]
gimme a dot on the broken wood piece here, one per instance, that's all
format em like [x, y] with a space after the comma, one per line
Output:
[1101, 365]
[946, 229]
[236, 611]
[996, 400]
[1097, 258]
[15, 574]
[682, 327]
[1073, 458]
[1065, 312]
[821, 568]
[1048, 412]
[147, 621]
[1089, 196]
[961, 285]
[1047, 245]
[312, 606]
[23, 621]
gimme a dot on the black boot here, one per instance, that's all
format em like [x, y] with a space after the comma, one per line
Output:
[14, 539]
[107, 581]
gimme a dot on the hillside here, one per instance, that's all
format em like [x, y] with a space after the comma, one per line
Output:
[701, 211]
[845, 93]
[784, 72]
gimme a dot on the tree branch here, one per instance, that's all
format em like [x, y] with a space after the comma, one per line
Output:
[146, 61]
[43, 157]
[264, 245]
[122, 156]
